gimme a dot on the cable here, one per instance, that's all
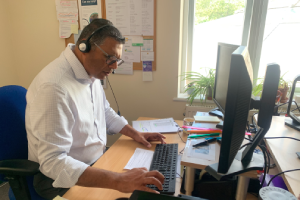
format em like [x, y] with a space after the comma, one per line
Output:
[182, 150]
[265, 168]
[268, 157]
[280, 174]
[114, 97]
[178, 175]
[282, 137]
[181, 137]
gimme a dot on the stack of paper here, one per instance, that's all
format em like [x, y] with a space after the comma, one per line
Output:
[213, 119]
[167, 125]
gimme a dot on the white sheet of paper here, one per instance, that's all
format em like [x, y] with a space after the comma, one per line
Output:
[166, 125]
[178, 166]
[88, 9]
[137, 40]
[148, 17]
[148, 45]
[135, 16]
[130, 53]
[117, 11]
[66, 13]
[125, 68]
[140, 158]
[147, 56]
[65, 4]
[147, 76]
[203, 152]
[65, 28]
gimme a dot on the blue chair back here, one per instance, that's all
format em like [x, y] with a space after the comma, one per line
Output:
[13, 142]
[13, 136]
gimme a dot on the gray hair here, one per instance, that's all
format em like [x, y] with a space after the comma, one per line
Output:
[101, 35]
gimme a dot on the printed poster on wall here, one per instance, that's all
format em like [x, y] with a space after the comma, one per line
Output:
[88, 10]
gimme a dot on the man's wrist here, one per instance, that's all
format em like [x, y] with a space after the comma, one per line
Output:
[129, 131]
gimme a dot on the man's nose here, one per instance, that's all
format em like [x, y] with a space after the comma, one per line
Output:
[114, 65]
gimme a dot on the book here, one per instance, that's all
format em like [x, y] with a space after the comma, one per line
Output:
[212, 119]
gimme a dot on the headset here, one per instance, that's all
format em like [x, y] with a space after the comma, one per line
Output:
[85, 46]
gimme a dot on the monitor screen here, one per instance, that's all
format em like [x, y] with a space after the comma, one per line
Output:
[222, 73]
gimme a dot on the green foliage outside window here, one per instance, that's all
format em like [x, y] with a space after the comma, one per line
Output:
[208, 10]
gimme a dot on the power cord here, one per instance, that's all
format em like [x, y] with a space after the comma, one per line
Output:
[114, 97]
[180, 136]
[282, 137]
[281, 173]
[266, 166]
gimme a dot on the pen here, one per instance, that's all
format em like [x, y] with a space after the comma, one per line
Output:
[206, 142]
[203, 135]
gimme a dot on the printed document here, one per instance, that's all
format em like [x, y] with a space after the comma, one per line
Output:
[167, 125]
[203, 152]
[140, 158]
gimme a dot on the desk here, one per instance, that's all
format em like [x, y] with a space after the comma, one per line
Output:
[194, 163]
[115, 160]
[284, 151]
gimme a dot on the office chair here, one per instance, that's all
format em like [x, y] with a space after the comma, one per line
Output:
[14, 164]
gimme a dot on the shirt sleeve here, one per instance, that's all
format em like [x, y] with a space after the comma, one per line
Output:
[114, 122]
[51, 122]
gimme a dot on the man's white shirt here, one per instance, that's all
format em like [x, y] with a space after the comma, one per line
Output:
[67, 117]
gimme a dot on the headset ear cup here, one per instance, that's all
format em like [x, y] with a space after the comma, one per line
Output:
[84, 46]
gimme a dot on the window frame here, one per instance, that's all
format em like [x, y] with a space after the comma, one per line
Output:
[255, 14]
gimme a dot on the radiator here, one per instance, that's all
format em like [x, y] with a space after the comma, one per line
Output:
[190, 110]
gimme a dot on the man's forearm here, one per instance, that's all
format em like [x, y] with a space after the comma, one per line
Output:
[100, 178]
[129, 131]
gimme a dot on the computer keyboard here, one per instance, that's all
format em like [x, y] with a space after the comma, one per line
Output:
[165, 161]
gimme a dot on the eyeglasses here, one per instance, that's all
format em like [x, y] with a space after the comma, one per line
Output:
[111, 59]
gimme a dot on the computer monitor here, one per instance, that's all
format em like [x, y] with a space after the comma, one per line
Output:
[235, 102]
[222, 74]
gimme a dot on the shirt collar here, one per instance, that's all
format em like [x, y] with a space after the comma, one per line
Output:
[77, 67]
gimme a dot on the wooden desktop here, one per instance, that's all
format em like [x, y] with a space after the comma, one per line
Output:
[115, 159]
[284, 151]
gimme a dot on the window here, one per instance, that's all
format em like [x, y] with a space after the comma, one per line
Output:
[207, 22]
[281, 41]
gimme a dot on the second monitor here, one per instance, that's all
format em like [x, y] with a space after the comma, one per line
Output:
[233, 89]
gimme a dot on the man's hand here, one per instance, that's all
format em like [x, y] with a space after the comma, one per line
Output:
[143, 138]
[138, 178]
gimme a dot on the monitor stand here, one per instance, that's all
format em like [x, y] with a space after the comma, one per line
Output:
[292, 123]
[237, 167]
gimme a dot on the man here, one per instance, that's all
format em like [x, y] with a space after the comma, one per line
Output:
[67, 117]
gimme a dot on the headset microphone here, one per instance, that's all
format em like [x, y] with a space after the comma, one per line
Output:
[113, 72]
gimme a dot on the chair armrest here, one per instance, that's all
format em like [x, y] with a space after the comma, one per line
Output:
[19, 167]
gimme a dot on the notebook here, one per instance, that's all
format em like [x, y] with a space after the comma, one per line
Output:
[212, 119]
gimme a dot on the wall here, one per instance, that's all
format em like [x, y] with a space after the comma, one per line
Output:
[8, 74]
[35, 37]
[36, 43]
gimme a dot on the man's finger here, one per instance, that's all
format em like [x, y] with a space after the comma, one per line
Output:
[157, 175]
[153, 181]
[146, 143]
